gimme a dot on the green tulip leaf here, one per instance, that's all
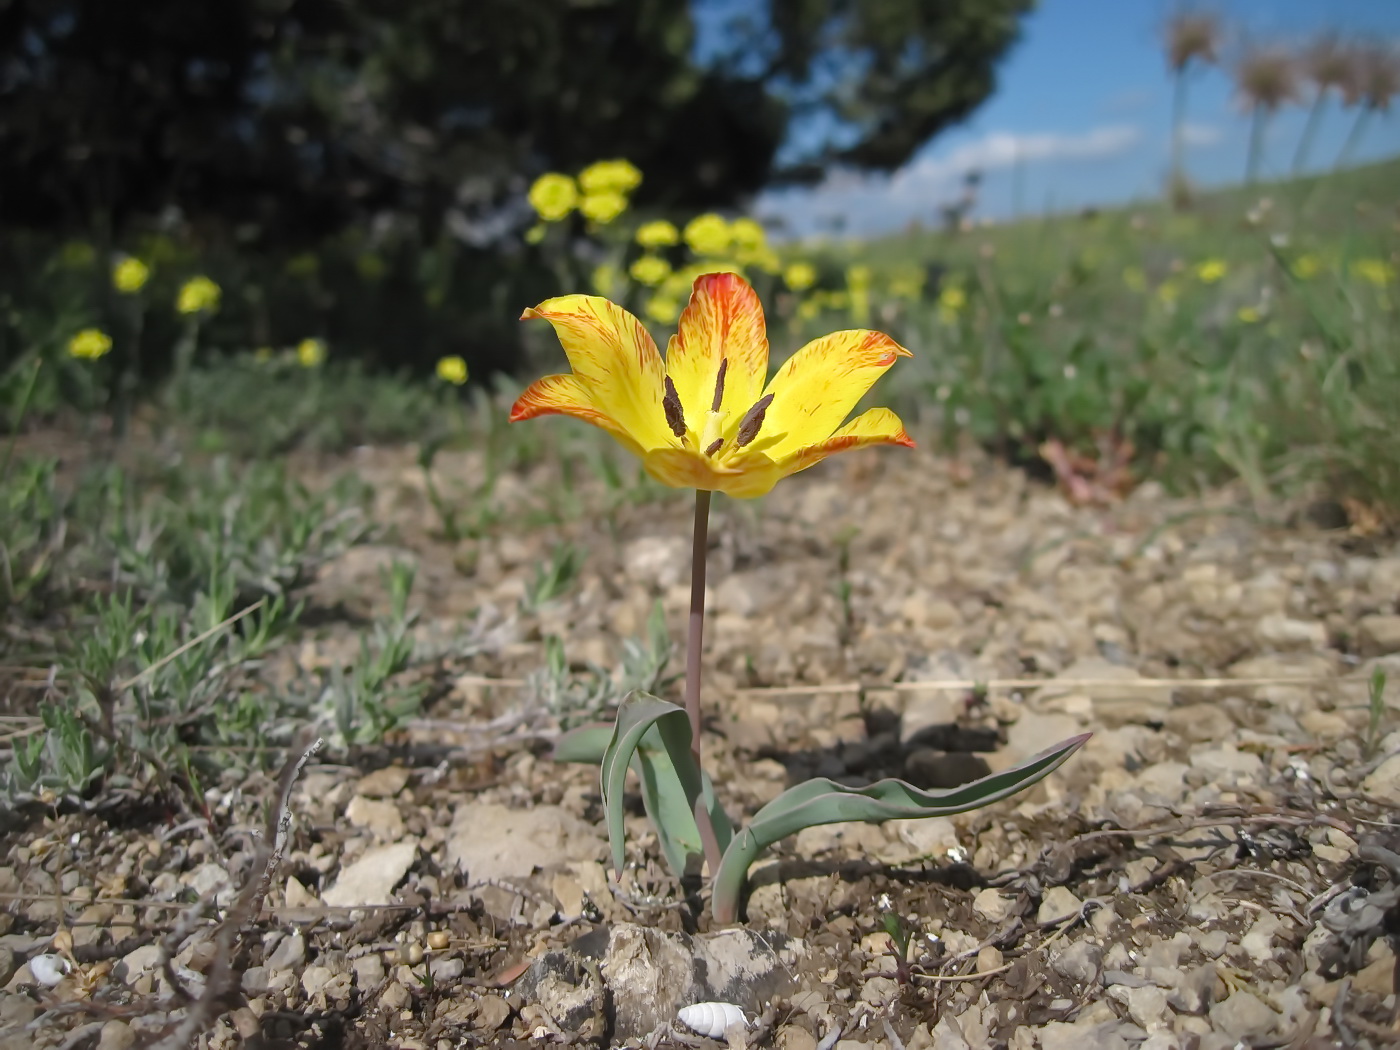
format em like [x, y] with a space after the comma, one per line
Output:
[823, 801]
[652, 737]
[586, 744]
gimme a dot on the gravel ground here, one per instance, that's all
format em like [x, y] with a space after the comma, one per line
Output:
[1220, 866]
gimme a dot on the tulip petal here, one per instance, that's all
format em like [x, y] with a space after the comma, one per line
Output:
[743, 477]
[567, 396]
[615, 362]
[878, 426]
[819, 385]
[722, 321]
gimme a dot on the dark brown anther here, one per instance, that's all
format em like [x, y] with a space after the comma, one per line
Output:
[718, 444]
[753, 421]
[719, 383]
[671, 403]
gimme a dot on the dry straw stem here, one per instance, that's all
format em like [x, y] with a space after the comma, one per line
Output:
[990, 684]
[1192, 36]
[222, 980]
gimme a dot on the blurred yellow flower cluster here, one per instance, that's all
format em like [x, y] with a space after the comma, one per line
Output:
[1208, 271]
[599, 194]
[649, 270]
[198, 295]
[89, 344]
[658, 234]
[1306, 267]
[311, 353]
[814, 304]
[1378, 272]
[858, 288]
[452, 370]
[952, 300]
[800, 276]
[130, 275]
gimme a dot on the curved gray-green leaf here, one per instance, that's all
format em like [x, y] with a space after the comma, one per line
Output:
[824, 801]
[585, 744]
[652, 736]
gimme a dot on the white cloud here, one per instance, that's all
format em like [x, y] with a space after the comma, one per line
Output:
[869, 201]
[1201, 134]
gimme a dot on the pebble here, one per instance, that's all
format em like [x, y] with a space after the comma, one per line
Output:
[382, 783]
[289, 953]
[380, 817]
[1080, 961]
[371, 878]
[1244, 1016]
[1058, 903]
[116, 1035]
[1384, 781]
[394, 996]
[991, 905]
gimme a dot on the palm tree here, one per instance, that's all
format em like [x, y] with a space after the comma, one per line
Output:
[1329, 65]
[1374, 81]
[1266, 78]
[1190, 36]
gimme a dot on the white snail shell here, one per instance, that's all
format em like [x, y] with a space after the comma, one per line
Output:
[712, 1019]
[48, 970]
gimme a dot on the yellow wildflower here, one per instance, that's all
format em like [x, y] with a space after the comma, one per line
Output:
[703, 417]
[951, 300]
[800, 276]
[747, 235]
[610, 176]
[452, 370]
[1374, 271]
[663, 309]
[310, 353]
[764, 258]
[1168, 292]
[536, 233]
[602, 208]
[78, 255]
[1248, 314]
[809, 308]
[606, 279]
[89, 344]
[371, 266]
[1306, 267]
[553, 196]
[650, 270]
[304, 266]
[858, 285]
[658, 234]
[707, 234]
[1208, 271]
[1135, 279]
[908, 285]
[130, 275]
[198, 295]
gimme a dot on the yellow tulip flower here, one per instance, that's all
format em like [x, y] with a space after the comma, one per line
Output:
[703, 418]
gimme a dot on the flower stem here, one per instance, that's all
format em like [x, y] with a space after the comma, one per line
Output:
[694, 639]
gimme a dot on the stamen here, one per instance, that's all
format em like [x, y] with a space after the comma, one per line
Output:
[719, 383]
[718, 444]
[671, 403]
[753, 420]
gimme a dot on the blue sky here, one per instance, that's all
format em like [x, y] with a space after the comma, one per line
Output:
[1084, 100]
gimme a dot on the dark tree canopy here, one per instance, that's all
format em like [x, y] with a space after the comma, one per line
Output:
[286, 120]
